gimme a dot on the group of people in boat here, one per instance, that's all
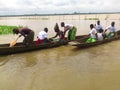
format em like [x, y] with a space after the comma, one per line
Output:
[96, 33]
[42, 35]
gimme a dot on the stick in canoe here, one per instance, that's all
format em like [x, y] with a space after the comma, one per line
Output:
[73, 42]
[76, 41]
[14, 42]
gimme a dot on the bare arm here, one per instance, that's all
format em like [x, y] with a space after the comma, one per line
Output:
[65, 30]
[22, 34]
[55, 35]
[96, 36]
[105, 30]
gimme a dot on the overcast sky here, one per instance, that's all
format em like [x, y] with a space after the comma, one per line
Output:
[16, 7]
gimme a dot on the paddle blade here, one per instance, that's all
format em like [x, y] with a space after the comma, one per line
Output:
[12, 43]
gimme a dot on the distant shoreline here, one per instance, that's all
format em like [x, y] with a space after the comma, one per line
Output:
[58, 14]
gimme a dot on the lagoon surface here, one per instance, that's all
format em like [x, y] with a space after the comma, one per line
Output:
[65, 67]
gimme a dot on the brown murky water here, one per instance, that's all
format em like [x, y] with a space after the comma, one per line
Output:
[62, 68]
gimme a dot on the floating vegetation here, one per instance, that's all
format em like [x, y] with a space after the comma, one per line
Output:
[35, 18]
[91, 18]
[4, 29]
[44, 18]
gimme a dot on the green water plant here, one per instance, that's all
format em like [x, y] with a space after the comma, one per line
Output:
[4, 29]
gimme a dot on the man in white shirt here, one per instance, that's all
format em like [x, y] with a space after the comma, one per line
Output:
[98, 26]
[72, 30]
[111, 27]
[93, 34]
[42, 36]
[111, 30]
[100, 35]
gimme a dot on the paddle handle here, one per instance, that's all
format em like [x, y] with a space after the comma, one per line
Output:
[14, 42]
[17, 38]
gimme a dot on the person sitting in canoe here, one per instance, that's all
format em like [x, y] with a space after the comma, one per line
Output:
[72, 30]
[100, 35]
[42, 37]
[93, 34]
[98, 26]
[111, 30]
[27, 33]
[59, 33]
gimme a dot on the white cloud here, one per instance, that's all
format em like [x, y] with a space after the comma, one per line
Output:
[57, 6]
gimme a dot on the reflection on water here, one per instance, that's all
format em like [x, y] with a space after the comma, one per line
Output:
[62, 68]
[3, 61]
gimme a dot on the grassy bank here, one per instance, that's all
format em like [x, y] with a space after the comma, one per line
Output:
[4, 29]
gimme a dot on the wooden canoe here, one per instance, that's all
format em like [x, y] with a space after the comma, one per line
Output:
[82, 44]
[19, 47]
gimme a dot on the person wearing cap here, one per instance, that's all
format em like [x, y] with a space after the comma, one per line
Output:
[72, 30]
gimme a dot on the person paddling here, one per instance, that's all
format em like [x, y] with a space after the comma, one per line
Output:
[27, 33]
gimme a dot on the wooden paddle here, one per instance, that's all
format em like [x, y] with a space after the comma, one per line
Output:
[14, 42]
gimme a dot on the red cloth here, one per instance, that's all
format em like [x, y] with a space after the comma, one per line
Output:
[39, 41]
[63, 37]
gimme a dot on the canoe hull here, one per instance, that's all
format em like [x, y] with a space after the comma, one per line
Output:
[82, 44]
[19, 47]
